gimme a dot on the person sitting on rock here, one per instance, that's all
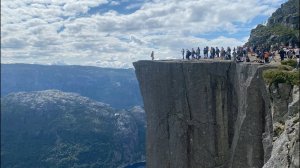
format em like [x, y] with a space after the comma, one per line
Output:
[266, 56]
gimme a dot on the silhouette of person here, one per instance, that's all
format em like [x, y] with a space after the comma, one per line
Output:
[152, 55]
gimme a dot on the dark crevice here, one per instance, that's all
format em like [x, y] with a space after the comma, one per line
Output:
[288, 157]
[231, 107]
[190, 117]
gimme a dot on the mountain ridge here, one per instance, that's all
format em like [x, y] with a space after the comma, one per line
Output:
[57, 129]
[117, 87]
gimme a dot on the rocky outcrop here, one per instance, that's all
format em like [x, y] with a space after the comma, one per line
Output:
[287, 15]
[205, 114]
[280, 99]
[285, 103]
[285, 153]
[282, 27]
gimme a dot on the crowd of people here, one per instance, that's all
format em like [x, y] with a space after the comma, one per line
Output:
[263, 54]
[208, 53]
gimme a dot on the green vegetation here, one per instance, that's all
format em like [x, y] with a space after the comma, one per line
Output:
[290, 62]
[282, 74]
[282, 30]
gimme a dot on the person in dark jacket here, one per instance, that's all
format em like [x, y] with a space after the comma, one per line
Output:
[193, 53]
[282, 54]
[198, 53]
[217, 52]
[188, 54]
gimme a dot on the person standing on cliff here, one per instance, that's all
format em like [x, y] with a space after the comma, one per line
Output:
[198, 53]
[282, 54]
[182, 51]
[222, 53]
[217, 52]
[187, 54]
[152, 55]
[228, 53]
[297, 52]
[193, 53]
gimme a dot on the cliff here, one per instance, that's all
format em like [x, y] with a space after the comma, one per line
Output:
[205, 114]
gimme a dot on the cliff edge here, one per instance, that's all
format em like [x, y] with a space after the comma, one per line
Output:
[205, 114]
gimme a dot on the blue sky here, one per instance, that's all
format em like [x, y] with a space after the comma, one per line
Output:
[114, 33]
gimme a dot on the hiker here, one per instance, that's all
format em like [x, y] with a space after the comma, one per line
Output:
[182, 51]
[245, 51]
[205, 52]
[228, 53]
[212, 52]
[188, 54]
[266, 56]
[234, 54]
[152, 55]
[298, 60]
[272, 56]
[193, 53]
[282, 54]
[297, 52]
[222, 53]
[247, 59]
[290, 53]
[217, 52]
[240, 54]
[198, 53]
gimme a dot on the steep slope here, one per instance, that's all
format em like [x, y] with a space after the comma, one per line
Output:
[117, 87]
[56, 129]
[282, 27]
[205, 114]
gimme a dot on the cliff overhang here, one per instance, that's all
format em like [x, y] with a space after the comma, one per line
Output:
[205, 113]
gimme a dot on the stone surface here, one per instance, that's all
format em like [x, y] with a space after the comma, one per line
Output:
[285, 153]
[281, 96]
[205, 114]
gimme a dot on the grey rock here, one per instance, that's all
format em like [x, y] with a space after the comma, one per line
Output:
[285, 153]
[205, 114]
[281, 96]
[282, 27]
[293, 107]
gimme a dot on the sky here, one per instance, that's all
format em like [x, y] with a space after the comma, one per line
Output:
[115, 33]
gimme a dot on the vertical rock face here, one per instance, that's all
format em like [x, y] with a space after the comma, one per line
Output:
[205, 114]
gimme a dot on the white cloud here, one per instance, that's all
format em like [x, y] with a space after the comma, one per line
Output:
[114, 3]
[63, 31]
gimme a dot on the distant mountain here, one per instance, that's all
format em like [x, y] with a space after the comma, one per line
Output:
[57, 129]
[282, 27]
[117, 87]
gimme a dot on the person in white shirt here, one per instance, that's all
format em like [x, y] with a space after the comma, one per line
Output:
[296, 50]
